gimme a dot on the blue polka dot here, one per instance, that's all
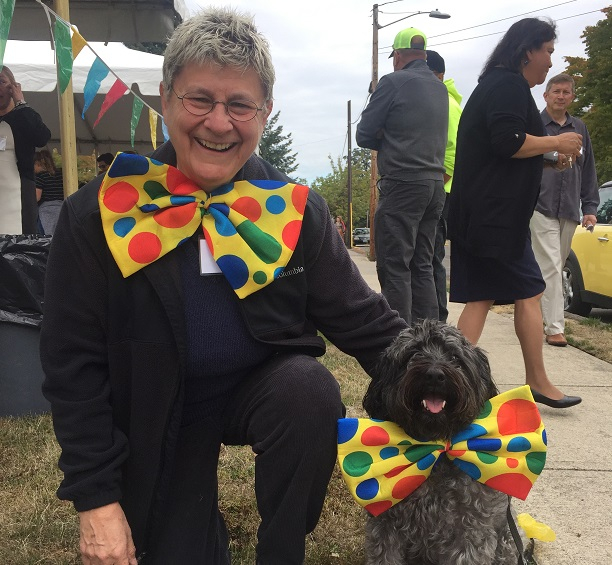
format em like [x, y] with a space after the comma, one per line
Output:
[278, 271]
[468, 468]
[268, 184]
[234, 269]
[472, 431]
[388, 452]
[222, 189]
[544, 437]
[347, 428]
[222, 224]
[128, 164]
[492, 444]
[180, 200]
[123, 226]
[275, 205]
[426, 462]
[518, 444]
[156, 162]
[149, 208]
[367, 489]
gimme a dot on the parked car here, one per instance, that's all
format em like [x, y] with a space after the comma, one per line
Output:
[587, 276]
[361, 235]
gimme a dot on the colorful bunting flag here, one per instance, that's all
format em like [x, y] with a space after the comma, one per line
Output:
[136, 110]
[78, 42]
[95, 76]
[63, 54]
[153, 125]
[6, 17]
[116, 91]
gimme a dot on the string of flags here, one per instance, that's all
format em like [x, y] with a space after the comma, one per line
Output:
[68, 45]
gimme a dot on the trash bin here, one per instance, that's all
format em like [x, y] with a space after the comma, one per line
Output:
[23, 261]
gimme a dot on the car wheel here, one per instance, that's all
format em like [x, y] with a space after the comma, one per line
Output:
[572, 285]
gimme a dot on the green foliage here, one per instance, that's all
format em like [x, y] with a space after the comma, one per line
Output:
[593, 103]
[334, 186]
[275, 147]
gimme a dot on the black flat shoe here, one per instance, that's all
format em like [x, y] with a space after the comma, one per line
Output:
[564, 402]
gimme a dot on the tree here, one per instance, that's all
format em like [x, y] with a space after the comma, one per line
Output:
[593, 104]
[334, 186]
[275, 147]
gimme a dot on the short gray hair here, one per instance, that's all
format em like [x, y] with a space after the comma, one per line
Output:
[220, 36]
[561, 79]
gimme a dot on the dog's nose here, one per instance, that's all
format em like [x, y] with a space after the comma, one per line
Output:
[435, 374]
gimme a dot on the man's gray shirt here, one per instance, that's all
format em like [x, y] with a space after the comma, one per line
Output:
[406, 121]
[562, 192]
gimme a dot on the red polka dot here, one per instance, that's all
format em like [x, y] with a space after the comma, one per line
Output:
[512, 462]
[513, 484]
[394, 472]
[178, 183]
[377, 508]
[518, 417]
[291, 233]
[299, 197]
[144, 247]
[121, 197]
[456, 452]
[375, 436]
[405, 486]
[176, 216]
[248, 207]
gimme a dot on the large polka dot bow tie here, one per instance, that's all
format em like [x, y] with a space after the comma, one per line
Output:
[148, 208]
[504, 448]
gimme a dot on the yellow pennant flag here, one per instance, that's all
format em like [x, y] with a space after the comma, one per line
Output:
[78, 42]
[153, 126]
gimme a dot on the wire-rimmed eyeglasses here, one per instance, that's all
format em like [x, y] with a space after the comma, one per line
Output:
[199, 105]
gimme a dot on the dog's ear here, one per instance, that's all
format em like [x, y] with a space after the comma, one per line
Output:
[484, 369]
[384, 373]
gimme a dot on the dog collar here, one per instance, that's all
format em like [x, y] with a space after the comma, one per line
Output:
[504, 448]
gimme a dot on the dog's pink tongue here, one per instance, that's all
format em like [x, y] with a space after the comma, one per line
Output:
[434, 404]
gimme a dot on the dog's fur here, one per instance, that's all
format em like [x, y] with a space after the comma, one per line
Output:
[450, 519]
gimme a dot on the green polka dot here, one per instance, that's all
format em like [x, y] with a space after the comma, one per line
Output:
[154, 189]
[260, 277]
[486, 410]
[486, 458]
[405, 442]
[535, 461]
[357, 464]
[263, 245]
[417, 452]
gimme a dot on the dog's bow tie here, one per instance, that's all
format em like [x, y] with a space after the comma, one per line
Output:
[251, 227]
[504, 448]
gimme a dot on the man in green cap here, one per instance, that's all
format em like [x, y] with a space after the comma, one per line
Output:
[406, 121]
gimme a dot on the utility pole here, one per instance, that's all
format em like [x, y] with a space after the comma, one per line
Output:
[67, 127]
[373, 154]
[349, 170]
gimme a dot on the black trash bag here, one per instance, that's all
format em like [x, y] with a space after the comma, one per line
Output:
[23, 262]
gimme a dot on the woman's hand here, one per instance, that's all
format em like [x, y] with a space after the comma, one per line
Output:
[106, 538]
[564, 162]
[16, 92]
[570, 144]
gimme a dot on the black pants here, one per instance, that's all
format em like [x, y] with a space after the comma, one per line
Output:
[287, 411]
[439, 271]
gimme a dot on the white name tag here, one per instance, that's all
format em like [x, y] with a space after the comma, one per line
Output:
[2, 142]
[208, 266]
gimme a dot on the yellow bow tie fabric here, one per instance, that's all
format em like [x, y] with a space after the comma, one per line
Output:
[149, 208]
[504, 448]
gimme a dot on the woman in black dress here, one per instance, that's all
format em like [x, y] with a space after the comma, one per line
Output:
[500, 146]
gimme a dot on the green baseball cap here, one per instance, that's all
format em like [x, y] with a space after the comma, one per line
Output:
[403, 40]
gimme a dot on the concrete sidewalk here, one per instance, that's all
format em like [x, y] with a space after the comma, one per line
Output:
[574, 494]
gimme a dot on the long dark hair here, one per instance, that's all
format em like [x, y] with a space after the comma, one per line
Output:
[525, 35]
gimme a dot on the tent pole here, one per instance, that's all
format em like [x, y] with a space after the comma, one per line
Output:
[67, 129]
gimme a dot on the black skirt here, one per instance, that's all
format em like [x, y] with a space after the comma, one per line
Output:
[473, 278]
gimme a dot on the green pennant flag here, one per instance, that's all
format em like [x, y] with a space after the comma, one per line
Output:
[6, 16]
[136, 109]
[63, 54]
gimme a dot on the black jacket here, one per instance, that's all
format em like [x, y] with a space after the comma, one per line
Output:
[113, 349]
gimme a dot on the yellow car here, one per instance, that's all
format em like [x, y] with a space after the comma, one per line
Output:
[587, 276]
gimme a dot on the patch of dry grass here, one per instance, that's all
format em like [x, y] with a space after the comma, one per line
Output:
[36, 528]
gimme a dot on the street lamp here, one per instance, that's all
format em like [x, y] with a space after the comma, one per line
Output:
[373, 168]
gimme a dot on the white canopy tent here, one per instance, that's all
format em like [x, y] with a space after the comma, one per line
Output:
[112, 134]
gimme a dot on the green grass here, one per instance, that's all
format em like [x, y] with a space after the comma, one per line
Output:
[38, 529]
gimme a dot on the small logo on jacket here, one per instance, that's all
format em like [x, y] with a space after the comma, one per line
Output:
[294, 271]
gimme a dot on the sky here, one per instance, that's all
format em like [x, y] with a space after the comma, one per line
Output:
[322, 53]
